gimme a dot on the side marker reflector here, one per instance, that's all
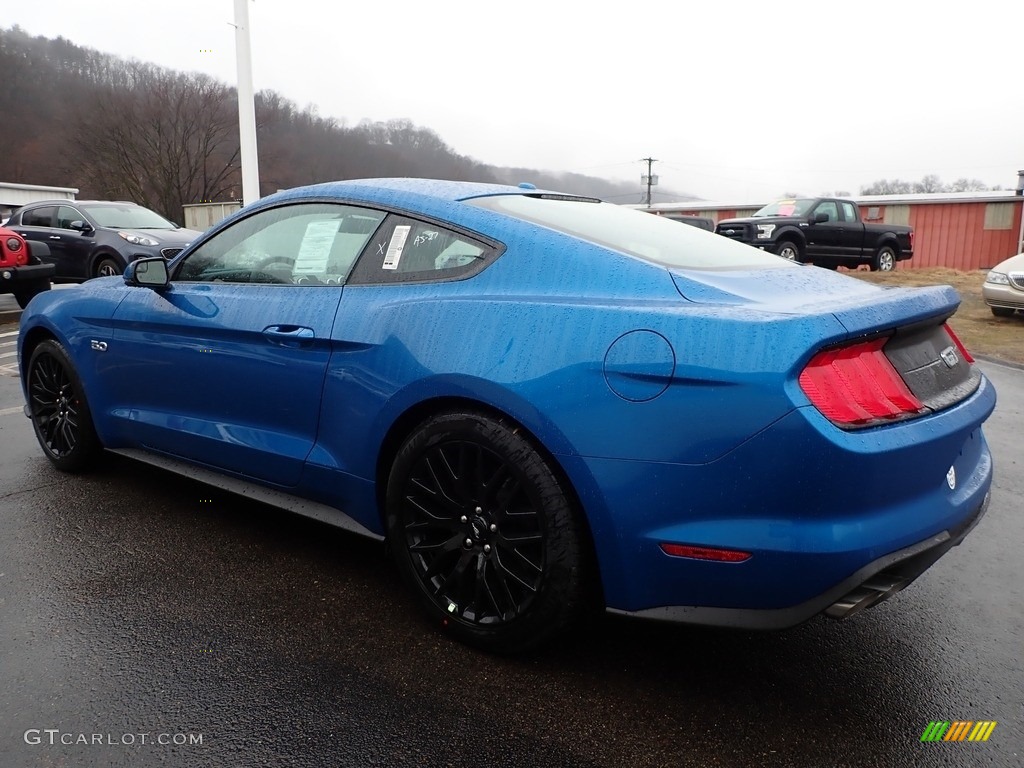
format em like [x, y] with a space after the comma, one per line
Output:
[705, 553]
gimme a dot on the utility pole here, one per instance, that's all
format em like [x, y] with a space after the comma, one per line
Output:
[246, 106]
[649, 179]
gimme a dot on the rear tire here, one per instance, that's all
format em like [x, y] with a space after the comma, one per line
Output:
[885, 259]
[484, 533]
[59, 411]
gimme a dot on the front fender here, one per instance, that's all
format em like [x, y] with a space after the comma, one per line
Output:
[788, 232]
[77, 317]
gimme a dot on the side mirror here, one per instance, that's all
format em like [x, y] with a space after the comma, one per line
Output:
[820, 218]
[147, 273]
[80, 226]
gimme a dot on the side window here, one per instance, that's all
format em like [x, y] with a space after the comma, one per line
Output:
[66, 214]
[829, 208]
[407, 250]
[849, 212]
[39, 217]
[299, 244]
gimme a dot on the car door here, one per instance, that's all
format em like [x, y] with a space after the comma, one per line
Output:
[825, 238]
[36, 225]
[226, 366]
[853, 238]
[71, 247]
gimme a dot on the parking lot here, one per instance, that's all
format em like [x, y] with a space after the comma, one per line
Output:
[135, 602]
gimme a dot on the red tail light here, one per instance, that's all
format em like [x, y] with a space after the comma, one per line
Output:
[857, 386]
[959, 344]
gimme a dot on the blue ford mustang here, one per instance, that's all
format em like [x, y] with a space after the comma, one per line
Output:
[545, 403]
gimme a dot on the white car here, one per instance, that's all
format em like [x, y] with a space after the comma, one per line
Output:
[1004, 287]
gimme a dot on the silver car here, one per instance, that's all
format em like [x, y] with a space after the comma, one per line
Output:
[1004, 287]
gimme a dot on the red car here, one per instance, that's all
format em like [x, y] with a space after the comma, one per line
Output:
[21, 272]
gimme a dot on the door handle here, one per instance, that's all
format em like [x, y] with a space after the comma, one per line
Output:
[55, 237]
[289, 335]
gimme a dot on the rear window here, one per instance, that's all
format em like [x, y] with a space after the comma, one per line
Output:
[637, 233]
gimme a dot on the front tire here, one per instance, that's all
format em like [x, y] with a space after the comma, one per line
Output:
[885, 260]
[1002, 311]
[485, 534]
[108, 267]
[789, 250]
[59, 411]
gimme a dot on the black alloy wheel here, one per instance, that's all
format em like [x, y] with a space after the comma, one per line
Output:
[482, 530]
[60, 415]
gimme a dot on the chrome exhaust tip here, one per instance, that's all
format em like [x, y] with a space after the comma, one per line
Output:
[876, 589]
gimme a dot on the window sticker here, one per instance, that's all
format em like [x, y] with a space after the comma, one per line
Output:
[316, 247]
[396, 246]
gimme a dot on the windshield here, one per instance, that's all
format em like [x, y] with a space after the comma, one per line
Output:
[126, 217]
[637, 233]
[786, 208]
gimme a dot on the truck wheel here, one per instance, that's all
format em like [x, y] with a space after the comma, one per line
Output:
[24, 295]
[885, 260]
[789, 250]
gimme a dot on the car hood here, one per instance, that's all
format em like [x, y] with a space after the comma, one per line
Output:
[860, 307]
[761, 220]
[1012, 264]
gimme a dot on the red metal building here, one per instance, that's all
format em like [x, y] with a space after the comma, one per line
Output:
[959, 230]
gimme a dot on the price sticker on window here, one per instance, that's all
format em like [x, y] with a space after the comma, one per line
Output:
[396, 246]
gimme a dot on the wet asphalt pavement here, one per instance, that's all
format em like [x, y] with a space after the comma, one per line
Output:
[135, 602]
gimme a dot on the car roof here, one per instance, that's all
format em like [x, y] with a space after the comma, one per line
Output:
[437, 189]
[65, 201]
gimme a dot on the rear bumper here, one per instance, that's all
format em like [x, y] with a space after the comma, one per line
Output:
[875, 582]
[821, 511]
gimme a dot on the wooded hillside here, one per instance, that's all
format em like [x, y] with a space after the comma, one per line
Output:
[127, 130]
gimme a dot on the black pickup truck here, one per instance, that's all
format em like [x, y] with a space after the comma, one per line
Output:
[822, 230]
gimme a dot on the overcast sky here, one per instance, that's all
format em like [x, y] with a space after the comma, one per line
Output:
[738, 101]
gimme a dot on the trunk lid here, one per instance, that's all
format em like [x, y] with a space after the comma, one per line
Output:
[924, 354]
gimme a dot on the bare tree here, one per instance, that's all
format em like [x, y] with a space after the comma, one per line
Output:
[887, 187]
[968, 185]
[165, 140]
[930, 183]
